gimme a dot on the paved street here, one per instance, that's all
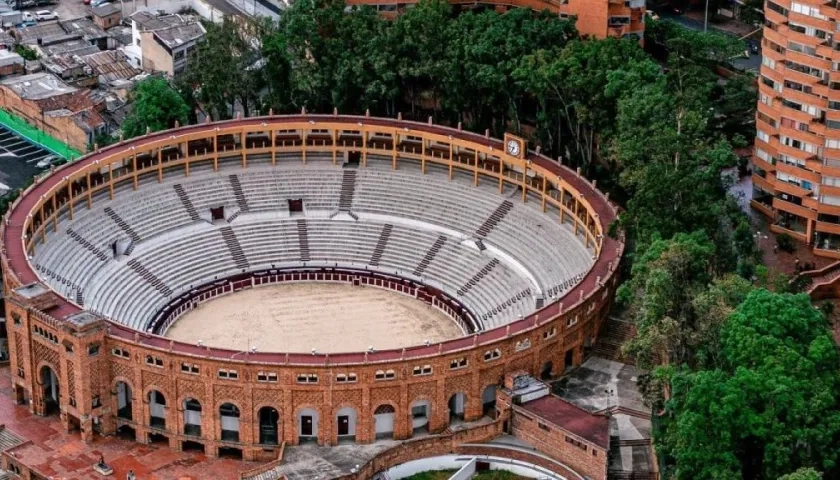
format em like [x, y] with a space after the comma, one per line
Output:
[688, 21]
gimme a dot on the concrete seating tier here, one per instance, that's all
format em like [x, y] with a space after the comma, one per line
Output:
[433, 224]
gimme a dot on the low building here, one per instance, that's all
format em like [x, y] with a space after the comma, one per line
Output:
[51, 33]
[107, 15]
[64, 112]
[569, 434]
[11, 63]
[161, 43]
[110, 66]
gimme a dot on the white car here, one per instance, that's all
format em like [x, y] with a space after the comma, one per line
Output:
[44, 15]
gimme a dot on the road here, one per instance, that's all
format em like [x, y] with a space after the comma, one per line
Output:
[748, 64]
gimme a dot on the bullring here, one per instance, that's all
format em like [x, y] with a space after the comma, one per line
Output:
[103, 255]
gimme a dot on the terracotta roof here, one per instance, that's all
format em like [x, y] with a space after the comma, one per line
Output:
[590, 427]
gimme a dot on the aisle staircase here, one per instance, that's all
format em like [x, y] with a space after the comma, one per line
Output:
[497, 216]
[303, 240]
[348, 190]
[430, 255]
[238, 193]
[234, 247]
[185, 200]
[381, 244]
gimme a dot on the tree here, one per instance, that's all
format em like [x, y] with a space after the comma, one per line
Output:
[803, 474]
[156, 106]
[773, 404]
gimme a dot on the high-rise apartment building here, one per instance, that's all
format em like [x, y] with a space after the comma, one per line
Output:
[595, 18]
[796, 174]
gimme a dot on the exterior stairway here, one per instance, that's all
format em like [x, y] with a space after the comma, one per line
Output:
[8, 439]
[430, 255]
[478, 276]
[234, 247]
[185, 200]
[125, 227]
[99, 253]
[611, 337]
[381, 244]
[497, 216]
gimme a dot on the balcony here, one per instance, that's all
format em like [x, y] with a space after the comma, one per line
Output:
[230, 436]
[192, 430]
[781, 204]
[157, 422]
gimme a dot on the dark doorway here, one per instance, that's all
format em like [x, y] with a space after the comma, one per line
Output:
[228, 452]
[268, 426]
[125, 432]
[343, 425]
[568, 360]
[545, 374]
[353, 159]
[49, 382]
[306, 425]
[190, 446]
[158, 438]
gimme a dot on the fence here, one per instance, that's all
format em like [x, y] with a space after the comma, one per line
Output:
[38, 137]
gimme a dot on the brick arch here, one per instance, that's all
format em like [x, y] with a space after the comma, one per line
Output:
[40, 366]
[163, 391]
[124, 380]
[261, 405]
[189, 395]
[235, 403]
[391, 404]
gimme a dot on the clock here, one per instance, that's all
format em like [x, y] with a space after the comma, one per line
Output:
[513, 148]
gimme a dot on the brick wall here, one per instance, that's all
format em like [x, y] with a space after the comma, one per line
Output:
[584, 457]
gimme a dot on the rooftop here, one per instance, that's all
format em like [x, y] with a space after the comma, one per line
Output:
[37, 86]
[9, 58]
[110, 65]
[591, 427]
[84, 27]
[148, 21]
[105, 10]
[180, 34]
[32, 290]
[74, 46]
[47, 33]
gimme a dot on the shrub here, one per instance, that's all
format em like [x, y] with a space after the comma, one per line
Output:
[785, 242]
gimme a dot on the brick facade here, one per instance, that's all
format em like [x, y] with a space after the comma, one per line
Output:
[94, 360]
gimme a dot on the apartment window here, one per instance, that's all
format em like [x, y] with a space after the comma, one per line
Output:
[420, 371]
[829, 143]
[830, 200]
[572, 321]
[543, 426]
[618, 21]
[777, 8]
[492, 354]
[307, 378]
[228, 374]
[763, 155]
[95, 402]
[767, 119]
[550, 333]
[806, 10]
[458, 363]
[787, 159]
[810, 31]
[93, 349]
[385, 375]
[831, 181]
[797, 86]
[834, 105]
[814, 72]
[772, 84]
[768, 62]
[798, 47]
[154, 361]
[834, 124]
[269, 377]
[190, 368]
[120, 352]
[16, 319]
[179, 55]
[20, 372]
[804, 146]
[765, 99]
[346, 378]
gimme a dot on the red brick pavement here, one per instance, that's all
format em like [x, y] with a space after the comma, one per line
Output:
[64, 456]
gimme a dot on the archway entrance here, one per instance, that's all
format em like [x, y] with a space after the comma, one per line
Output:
[49, 383]
[383, 421]
[545, 373]
[421, 412]
[456, 407]
[307, 425]
[124, 405]
[346, 424]
[192, 417]
[229, 414]
[488, 401]
[268, 426]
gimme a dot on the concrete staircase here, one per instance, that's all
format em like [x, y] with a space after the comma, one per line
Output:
[430, 255]
[613, 335]
[150, 277]
[238, 193]
[303, 240]
[381, 244]
[478, 276]
[186, 202]
[497, 216]
[234, 247]
[348, 190]
[99, 253]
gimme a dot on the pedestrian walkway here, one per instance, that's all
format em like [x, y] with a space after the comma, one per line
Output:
[727, 25]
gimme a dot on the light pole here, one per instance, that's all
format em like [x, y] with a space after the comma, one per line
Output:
[706, 18]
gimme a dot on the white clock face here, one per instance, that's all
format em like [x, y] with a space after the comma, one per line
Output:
[513, 147]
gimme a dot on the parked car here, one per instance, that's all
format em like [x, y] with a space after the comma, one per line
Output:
[27, 18]
[48, 161]
[44, 15]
